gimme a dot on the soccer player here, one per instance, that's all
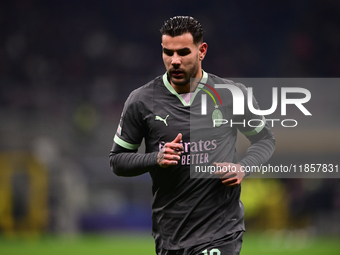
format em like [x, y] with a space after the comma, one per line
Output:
[183, 127]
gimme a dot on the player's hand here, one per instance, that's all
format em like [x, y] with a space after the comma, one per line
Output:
[170, 154]
[230, 174]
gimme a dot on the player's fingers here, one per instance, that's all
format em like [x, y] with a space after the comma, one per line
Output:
[222, 169]
[227, 175]
[178, 138]
[175, 144]
[223, 166]
[171, 162]
[173, 148]
[221, 173]
[166, 163]
[171, 157]
[230, 182]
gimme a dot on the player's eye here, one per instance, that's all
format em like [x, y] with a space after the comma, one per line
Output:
[184, 52]
[168, 52]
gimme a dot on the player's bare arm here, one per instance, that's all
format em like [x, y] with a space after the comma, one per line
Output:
[170, 154]
[229, 173]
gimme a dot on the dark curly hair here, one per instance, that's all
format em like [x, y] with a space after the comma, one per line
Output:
[179, 25]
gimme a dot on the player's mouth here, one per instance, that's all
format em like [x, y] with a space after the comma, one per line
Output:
[177, 73]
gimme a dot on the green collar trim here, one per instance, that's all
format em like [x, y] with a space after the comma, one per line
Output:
[173, 91]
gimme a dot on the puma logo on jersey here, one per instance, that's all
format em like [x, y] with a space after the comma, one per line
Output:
[161, 119]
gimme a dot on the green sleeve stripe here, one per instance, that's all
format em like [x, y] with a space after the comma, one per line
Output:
[124, 144]
[257, 129]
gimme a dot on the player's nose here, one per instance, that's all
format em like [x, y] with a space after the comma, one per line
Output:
[175, 60]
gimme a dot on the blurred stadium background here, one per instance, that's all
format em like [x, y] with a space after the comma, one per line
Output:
[66, 68]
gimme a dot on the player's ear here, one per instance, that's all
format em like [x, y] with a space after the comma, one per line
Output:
[202, 50]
